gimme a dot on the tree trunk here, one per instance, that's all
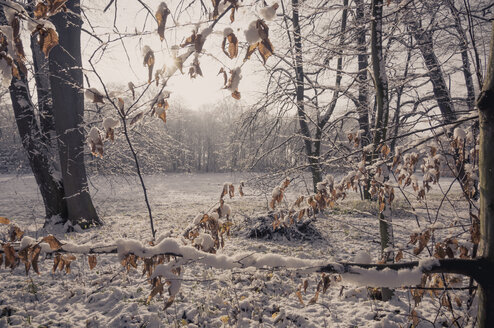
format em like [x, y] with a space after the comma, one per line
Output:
[50, 189]
[363, 63]
[462, 36]
[382, 100]
[486, 177]
[36, 146]
[439, 87]
[312, 156]
[362, 79]
[66, 81]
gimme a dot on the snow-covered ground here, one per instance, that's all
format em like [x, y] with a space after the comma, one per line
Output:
[108, 296]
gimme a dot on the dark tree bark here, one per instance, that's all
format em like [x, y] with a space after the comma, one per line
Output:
[486, 182]
[45, 108]
[36, 144]
[50, 189]
[66, 81]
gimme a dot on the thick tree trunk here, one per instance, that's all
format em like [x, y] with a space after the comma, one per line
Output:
[45, 108]
[66, 81]
[486, 178]
[50, 189]
[35, 145]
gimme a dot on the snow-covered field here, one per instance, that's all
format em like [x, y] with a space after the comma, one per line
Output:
[107, 296]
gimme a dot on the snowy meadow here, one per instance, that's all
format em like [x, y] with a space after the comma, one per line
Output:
[271, 296]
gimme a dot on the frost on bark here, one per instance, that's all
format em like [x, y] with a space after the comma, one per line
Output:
[66, 81]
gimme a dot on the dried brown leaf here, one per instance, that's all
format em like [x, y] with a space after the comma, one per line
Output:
[91, 259]
[15, 233]
[232, 45]
[314, 299]
[53, 242]
[265, 49]
[4, 220]
[236, 95]
[149, 62]
[299, 295]
[157, 289]
[48, 38]
[56, 261]
[10, 258]
[161, 16]
[399, 256]
[250, 51]
[170, 300]
[34, 256]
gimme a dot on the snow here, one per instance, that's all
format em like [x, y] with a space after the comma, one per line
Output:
[205, 241]
[237, 76]
[252, 34]
[198, 219]
[145, 51]
[94, 134]
[459, 134]
[227, 31]
[268, 13]
[110, 123]
[5, 73]
[384, 278]
[11, 8]
[362, 257]
[256, 279]
[32, 24]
